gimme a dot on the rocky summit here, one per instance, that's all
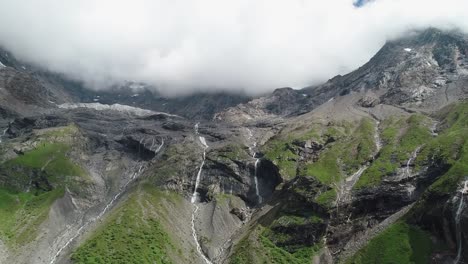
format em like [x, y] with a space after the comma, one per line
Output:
[368, 167]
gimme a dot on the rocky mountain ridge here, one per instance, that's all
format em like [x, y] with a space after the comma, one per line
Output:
[351, 171]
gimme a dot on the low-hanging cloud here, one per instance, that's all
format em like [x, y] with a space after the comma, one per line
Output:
[183, 45]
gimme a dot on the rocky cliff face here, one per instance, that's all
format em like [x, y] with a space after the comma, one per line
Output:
[351, 171]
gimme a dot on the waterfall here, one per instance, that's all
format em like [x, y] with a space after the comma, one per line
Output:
[153, 145]
[195, 237]
[434, 128]
[257, 163]
[257, 192]
[458, 213]
[413, 156]
[378, 141]
[3, 134]
[196, 128]
[353, 178]
[160, 146]
[195, 196]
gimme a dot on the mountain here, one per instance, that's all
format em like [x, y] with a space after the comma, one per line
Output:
[22, 81]
[369, 167]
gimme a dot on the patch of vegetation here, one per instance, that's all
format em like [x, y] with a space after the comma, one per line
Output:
[279, 255]
[296, 220]
[327, 198]
[31, 182]
[400, 243]
[258, 248]
[401, 137]
[284, 155]
[349, 146]
[174, 161]
[50, 158]
[232, 152]
[60, 133]
[21, 213]
[450, 149]
[345, 155]
[131, 234]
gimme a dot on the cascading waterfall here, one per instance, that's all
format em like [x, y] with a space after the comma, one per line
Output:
[196, 195]
[3, 134]
[458, 213]
[195, 236]
[257, 163]
[413, 156]
[257, 192]
[378, 141]
[434, 128]
[135, 175]
[353, 178]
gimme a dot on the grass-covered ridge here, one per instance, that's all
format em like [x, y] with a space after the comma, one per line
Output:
[133, 233]
[345, 155]
[400, 243]
[21, 214]
[401, 136]
[346, 146]
[447, 154]
[450, 149]
[32, 181]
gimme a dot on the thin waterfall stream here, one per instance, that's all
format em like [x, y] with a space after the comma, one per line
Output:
[461, 206]
[3, 134]
[122, 189]
[257, 164]
[413, 156]
[196, 195]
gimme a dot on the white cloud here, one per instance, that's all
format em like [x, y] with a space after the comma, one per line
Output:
[183, 45]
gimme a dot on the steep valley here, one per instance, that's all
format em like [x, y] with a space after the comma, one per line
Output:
[369, 167]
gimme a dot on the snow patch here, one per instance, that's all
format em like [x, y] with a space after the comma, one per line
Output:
[2, 65]
[136, 86]
[114, 107]
[408, 49]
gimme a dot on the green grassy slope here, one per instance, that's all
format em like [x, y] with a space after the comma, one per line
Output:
[133, 233]
[400, 243]
[31, 182]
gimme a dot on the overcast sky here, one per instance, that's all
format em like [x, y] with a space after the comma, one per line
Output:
[186, 45]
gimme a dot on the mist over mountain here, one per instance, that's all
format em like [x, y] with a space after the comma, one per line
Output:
[179, 47]
[301, 132]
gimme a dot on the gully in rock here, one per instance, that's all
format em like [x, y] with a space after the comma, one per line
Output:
[99, 216]
[461, 206]
[348, 184]
[195, 197]
[109, 205]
